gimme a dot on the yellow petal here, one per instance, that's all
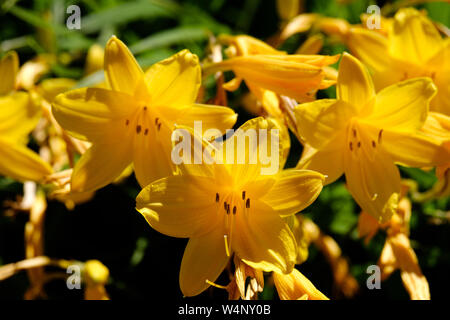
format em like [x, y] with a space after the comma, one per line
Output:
[247, 45]
[300, 23]
[414, 281]
[204, 259]
[293, 191]
[354, 84]
[9, 65]
[263, 240]
[372, 179]
[121, 69]
[180, 206]
[50, 88]
[413, 37]
[86, 113]
[18, 116]
[319, 160]
[19, 162]
[312, 45]
[282, 74]
[211, 117]
[175, 80]
[257, 150]
[101, 164]
[370, 47]
[320, 121]
[30, 72]
[403, 106]
[295, 285]
[152, 155]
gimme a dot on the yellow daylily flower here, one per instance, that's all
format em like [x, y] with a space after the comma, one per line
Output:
[365, 133]
[295, 286]
[230, 208]
[266, 69]
[18, 117]
[412, 48]
[133, 122]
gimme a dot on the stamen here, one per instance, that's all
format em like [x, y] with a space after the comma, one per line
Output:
[234, 210]
[146, 131]
[247, 203]
[127, 122]
[373, 144]
[227, 249]
[380, 136]
[159, 126]
[225, 205]
[138, 129]
[351, 146]
[156, 121]
[217, 197]
[243, 195]
[359, 144]
[354, 133]
[228, 208]
[215, 285]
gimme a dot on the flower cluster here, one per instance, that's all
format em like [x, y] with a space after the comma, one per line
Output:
[392, 107]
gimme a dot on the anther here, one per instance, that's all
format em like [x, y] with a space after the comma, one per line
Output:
[359, 144]
[138, 129]
[247, 203]
[127, 122]
[373, 144]
[351, 146]
[156, 121]
[146, 131]
[380, 135]
[228, 209]
[354, 133]
[145, 108]
[234, 210]
[225, 206]
[217, 197]
[243, 195]
[159, 126]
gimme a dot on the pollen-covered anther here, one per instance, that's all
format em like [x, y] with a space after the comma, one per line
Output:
[138, 129]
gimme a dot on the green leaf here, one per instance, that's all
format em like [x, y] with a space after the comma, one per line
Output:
[127, 12]
[170, 37]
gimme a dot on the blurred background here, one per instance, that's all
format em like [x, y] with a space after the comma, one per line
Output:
[144, 264]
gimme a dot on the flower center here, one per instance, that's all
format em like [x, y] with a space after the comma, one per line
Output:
[232, 204]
